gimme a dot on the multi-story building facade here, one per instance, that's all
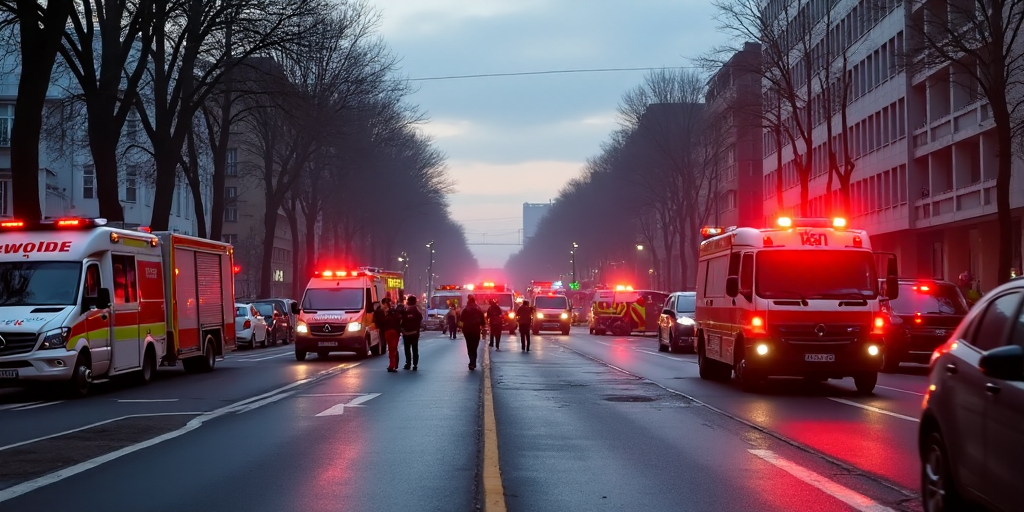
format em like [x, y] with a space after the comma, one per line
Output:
[924, 149]
[532, 214]
[733, 103]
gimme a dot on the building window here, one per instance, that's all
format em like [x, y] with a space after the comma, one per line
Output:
[4, 186]
[88, 181]
[131, 185]
[230, 193]
[231, 166]
[6, 124]
[230, 239]
[230, 214]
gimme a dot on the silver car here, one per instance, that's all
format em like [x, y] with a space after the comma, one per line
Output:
[677, 330]
[250, 327]
[972, 430]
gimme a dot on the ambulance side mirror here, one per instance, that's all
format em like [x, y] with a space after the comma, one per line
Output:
[892, 288]
[732, 286]
[295, 308]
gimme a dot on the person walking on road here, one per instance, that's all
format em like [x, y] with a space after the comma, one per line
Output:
[412, 320]
[472, 323]
[390, 328]
[495, 322]
[452, 322]
[524, 316]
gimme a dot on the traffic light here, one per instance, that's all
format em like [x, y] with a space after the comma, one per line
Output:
[574, 285]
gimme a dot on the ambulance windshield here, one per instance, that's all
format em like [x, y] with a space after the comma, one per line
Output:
[43, 283]
[555, 302]
[334, 299]
[504, 300]
[783, 274]
[444, 301]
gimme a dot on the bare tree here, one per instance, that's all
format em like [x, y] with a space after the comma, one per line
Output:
[982, 41]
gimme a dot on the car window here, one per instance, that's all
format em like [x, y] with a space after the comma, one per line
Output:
[240, 311]
[995, 322]
[1018, 330]
[929, 299]
[686, 304]
[671, 304]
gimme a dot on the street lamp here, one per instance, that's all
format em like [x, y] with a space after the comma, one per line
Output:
[636, 262]
[430, 271]
[404, 259]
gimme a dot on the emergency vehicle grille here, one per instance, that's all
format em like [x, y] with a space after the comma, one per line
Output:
[17, 343]
[327, 329]
[820, 333]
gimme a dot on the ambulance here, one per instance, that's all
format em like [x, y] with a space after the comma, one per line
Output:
[336, 311]
[800, 299]
[623, 311]
[443, 297]
[81, 302]
[486, 291]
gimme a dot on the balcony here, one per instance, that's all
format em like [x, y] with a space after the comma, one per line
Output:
[953, 205]
[966, 121]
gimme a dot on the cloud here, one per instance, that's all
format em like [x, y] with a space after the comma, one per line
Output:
[532, 181]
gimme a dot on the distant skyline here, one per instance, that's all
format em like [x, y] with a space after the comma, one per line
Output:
[513, 140]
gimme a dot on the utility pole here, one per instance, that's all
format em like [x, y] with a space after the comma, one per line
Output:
[573, 253]
[430, 271]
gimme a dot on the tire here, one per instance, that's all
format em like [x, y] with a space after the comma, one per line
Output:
[750, 381]
[273, 338]
[705, 366]
[365, 351]
[300, 355]
[662, 348]
[938, 489]
[145, 374]
[865, 382]
[81, 377]
[890, 362]
[209, 357]
[591, 331]
[536, 332]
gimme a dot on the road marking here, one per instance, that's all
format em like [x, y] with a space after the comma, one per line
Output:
[265, 358]
[875, 409]
[141, 401]
[666, 357]
[38, 405]
[494, 489]
[104, 422]
[16, 406]
[852, 498]
[31, 485]
[605, 343]
[900, 390]
[261, 403]
[331, 394]
[339, 409]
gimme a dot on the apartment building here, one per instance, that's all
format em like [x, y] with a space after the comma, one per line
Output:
[733, 98]
[924, 147]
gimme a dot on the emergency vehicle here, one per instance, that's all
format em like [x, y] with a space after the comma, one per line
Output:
[441, 300]
[336, 311]
[623, 310]
[800, 299]
[486, 291]
[553, 313]
[81, 302]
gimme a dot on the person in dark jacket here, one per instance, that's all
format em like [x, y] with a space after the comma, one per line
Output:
[495, 322]
[412, 320]
[472, 323]
[524, 316]
[390, 328]
[452, 322]
[379, 316]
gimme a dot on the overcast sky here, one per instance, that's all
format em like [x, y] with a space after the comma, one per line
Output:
[511, 140]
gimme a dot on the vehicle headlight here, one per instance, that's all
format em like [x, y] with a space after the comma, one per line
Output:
[565, 315]
[57, 338]
[511, 315]
[301, 327]
[354, 326]
[540, 315]
[685, 320]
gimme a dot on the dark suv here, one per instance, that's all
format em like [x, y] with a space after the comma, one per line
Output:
[277, 314]
[922, 318]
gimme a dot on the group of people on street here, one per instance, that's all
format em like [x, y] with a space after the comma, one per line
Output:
[404, 320]
[475, 319]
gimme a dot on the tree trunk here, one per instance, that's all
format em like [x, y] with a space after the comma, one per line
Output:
[104, 159]
[219, 146]
[40, 40]
[195, 186]
[267, 262]
[166, 180]
[293, 224]
[1004, 134]
[311, 252]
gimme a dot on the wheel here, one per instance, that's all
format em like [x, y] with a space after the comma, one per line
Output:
[661, 347]
[145, 374]
[890, 362]
[750, 381]
[209, 358]
[322, 355]
[705, 366]
[365, 350]
[672, 345]
[938, 489]
[376, 349]
[300, 355]
[865, 382]
[263, 342]
[289, 337]
[81, 378]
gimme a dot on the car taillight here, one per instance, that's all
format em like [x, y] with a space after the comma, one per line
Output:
[247, 325]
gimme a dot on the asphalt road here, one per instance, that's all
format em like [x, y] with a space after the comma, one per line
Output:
[582, 423]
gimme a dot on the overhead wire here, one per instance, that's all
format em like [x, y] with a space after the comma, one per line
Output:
[545, 72]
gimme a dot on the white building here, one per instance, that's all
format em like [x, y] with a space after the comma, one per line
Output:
[924, 182]
[67, 175]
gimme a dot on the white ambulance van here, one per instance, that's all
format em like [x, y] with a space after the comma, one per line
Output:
[336, 311]
[801, 299]
[81, 302]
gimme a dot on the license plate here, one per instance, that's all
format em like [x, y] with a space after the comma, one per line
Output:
[327, 344]
[8, 374]
[820, 357]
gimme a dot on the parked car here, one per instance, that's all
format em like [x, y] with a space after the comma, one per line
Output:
[919, 320]
[250, 327]
[277, 314]
[677, 330]
[971, 438]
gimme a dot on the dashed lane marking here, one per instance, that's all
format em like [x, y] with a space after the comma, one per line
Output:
[17, 406]
[38, 405]
[267, 357]
[901, 390]
[146, 401]
[494, 489]
[875, 409]
[852, 498]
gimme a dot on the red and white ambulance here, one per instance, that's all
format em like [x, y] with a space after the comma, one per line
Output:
[336, 311]
[800, 299]
[81, 302]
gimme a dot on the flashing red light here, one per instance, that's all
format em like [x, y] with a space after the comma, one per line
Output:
[708, 232]
[879, 325]
[857, 242]
[785, 222]
[839, 223]
[236, 269]
[145, 229]
[917, 318]
[69, 223]
[757, 325]
[12, 224]
[767, 241]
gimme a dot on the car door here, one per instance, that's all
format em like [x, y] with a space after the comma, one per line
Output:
[666, 320]
[126, 353]
[966, 385]
[259, 325]
[97, 319]
[1004, 435]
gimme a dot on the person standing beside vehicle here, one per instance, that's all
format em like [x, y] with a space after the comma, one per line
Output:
[451, 320]
[390, 325]
[472, 323]
[495, 322]
[412, 320]
[524, 316]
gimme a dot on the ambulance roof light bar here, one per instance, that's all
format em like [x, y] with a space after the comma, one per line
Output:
[789, 222]
[623, 288]
[61, 223]
[336, 274]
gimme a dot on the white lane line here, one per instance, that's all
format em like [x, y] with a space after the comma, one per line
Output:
[852, 498]
[605, 343]
[261, 403]
[339, 409]
[330, 394]
[900, 390]
[875, 409]
[36, 406]
[656, 354]
[265, 358]
[31, 485]
[16, 406]
[151, 400]
[91, 425]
